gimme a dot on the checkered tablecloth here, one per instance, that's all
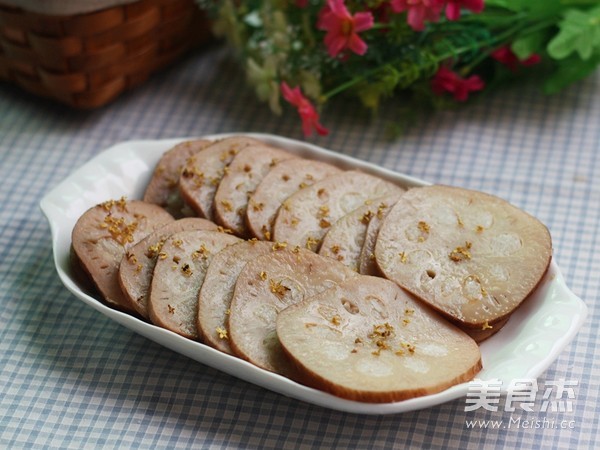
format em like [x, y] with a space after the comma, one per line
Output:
[71, 378]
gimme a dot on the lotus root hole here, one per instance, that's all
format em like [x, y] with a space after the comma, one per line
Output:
[350, 307]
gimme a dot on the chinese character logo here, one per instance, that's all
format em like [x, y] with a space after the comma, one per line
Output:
[521, 393]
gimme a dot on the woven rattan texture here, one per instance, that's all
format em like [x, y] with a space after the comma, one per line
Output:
[87, 60]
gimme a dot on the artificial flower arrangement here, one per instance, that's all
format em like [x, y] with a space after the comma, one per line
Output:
[421, 52]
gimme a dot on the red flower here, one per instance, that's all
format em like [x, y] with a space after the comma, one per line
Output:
[343, 28]
[419, 11]
[301, 3]
[506, 56]
[453, 7]
[447, 81]
[308, 114]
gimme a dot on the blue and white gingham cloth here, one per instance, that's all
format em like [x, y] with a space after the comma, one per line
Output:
[71, 378]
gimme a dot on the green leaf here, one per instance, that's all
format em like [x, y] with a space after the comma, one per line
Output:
[569, 71]
[502, 4]
[525, 46]
[579, 32]
[536, 6]
[579, 2]
[370, 93]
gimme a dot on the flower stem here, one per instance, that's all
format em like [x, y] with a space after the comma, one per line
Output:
[348, 84]
[503, 39]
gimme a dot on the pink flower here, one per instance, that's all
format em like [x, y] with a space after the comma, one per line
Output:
[343, 28]
[447, 81]
[308, 114]
[506, 56]
[453, 7]
[419, 11]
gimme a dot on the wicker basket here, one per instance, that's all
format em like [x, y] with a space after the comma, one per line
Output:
[87, 60]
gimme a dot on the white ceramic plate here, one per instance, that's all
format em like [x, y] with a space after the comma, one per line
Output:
[532, 339]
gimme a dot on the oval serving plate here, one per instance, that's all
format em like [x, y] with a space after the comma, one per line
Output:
[532, 339]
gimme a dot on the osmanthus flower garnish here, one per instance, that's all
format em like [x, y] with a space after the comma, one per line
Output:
[432, 52]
